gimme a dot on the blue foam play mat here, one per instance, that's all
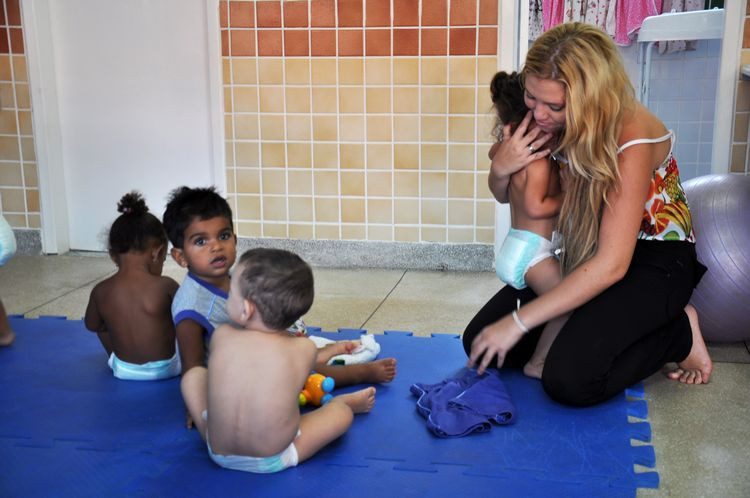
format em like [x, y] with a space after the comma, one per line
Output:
[69, 428]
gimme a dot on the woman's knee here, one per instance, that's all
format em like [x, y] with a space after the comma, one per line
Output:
[569, 385]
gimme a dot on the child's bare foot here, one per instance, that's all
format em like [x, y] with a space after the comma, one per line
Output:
[7, 337]
[697, 367]
[533, 369]
[360, 401]
[380, 371]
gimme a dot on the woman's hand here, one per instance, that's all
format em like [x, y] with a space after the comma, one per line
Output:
[495, 339]
[517, 150]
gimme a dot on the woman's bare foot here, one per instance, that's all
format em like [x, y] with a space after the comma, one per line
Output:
[697, 367]
[360, 401]
[533, 369]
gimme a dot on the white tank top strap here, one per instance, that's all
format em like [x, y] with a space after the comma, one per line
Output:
[669, 135]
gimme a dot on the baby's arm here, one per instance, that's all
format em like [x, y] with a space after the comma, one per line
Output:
[95, 323]
[328, 351]
[536, 197]
[190, 340]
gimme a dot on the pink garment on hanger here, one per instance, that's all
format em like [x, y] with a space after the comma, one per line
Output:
[630, 16]
[553, 12]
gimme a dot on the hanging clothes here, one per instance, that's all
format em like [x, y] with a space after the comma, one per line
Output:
[536, 20]
[629, 18]
[667, 47]
[600, 13]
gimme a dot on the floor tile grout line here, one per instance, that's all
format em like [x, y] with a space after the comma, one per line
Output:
[68, 292]
[383, 300]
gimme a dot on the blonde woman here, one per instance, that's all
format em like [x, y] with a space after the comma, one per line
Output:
[628, 260]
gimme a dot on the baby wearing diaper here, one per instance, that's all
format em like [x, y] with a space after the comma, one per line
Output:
[130, 311]
[526, 257]
[246, 403]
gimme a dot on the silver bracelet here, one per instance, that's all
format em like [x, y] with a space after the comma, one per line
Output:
[520, 324]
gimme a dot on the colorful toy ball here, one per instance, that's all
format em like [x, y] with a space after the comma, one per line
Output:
[317, 390]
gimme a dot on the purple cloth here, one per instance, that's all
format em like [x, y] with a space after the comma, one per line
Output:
[465, 404]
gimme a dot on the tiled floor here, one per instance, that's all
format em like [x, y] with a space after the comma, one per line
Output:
[701, 433]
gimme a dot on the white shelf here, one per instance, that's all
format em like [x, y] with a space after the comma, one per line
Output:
[695, 25]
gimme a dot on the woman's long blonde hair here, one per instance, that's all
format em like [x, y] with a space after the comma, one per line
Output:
[597, 94]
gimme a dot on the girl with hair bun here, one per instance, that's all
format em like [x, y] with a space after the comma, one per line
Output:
[628, 254]
[131, 310]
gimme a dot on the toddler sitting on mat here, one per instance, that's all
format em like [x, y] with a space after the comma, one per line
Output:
[245, 405]
[130, 311]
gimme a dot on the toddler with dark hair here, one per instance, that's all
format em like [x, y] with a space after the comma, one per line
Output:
[246, 404]
[130, 311]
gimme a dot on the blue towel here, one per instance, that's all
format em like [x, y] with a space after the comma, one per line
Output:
[465, 404]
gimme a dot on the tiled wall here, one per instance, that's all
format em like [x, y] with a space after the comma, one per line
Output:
[359, 119]
[19, 192]
[741, 138]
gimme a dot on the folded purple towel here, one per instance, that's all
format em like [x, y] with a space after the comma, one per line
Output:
[465, 404]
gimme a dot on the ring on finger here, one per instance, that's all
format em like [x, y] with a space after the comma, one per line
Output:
[532, 149]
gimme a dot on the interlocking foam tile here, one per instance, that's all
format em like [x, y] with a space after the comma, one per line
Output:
[68, 428]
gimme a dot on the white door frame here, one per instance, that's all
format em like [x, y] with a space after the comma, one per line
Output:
[46, 119]
[726, 87]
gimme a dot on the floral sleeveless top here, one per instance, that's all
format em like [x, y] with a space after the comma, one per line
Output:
[666, 215]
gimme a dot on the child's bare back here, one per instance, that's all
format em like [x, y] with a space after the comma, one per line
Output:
[254, 382]
[133, 307]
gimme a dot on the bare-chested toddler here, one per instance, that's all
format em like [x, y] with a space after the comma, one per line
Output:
[130, 311]
[245, 404]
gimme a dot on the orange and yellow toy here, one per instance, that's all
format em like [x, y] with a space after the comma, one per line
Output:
[317, 390]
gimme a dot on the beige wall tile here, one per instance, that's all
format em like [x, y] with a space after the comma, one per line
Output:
[326, 183]
[405, 71]
[248, 207]
[406, 128]
[324, 127]
[433, 234]
[229, 153]
[271, 99]
[274, 208]
[406, 156]
[739, 157]
[744, 56]
[742, 103]
[377, 71]
[231, 183]
[5, 68]
[9, 149]
[274, 181]
[406, 100]
[227, 92]
[298, 127]
[353, 210]
[384, 233]
[248, 229]
[352, 100]
[324, 100]
[460, 235]
[353, 183]
[461, 100]
[379, 184]
[379, 156]
[406, 211]
[244, 72]
[434, 156]
[32, 200]
[461, 157]
[270, 71]
[461, 212]
[379, 128]
[482, 190]
[248, 180]
[299, 155]
[297, 71]
[246, 154]
[301, 209]
[740, 126]
[8, 122]
[433, 128]
[327, 210]
[228, 127]
[246, 126]
[303, 232]
[485, 129]
[485, 213]
[325, 156]
[406, 183]
[19, 68]
[297, 99]
[272, 155]
[352, 127]
[461, 128]
[323, 71]
[435, 71]
[352, 156]
[327, 232]
[7, 98]
[22, 96]
[11, 175]
[486, 69]
[271, 127]
[226, 70]
[351, 71]
[353, 232]
[380, 211]
[16, 220]
[277, 230]
[434, 100]
[406, 234]
[482, 162]
[300, 182]
[35, 221]
[378, 100]
[433, 185]
[462, 71]
[30, 176]
[461, 185]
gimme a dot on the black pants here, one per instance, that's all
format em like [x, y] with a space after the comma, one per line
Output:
[621, 336]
